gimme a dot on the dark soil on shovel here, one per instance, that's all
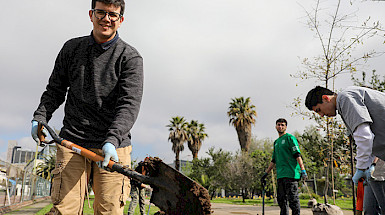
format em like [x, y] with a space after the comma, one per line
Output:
[186, 195]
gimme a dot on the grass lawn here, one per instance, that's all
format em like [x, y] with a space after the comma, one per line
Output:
[90, 211]
[343, 203]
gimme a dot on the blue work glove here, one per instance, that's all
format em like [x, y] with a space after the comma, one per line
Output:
[360, 174]
[35, 126]
[109, 152]
[303, 175]
[370, 171]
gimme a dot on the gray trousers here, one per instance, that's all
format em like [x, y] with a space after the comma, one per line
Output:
[374, 198]
[287, 196]
[137, 195]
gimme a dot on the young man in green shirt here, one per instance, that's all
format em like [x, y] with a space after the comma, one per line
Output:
[290, 169]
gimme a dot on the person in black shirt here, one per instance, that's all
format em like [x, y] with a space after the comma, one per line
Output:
[100, 78]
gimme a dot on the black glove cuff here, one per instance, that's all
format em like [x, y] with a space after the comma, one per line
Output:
[373, 164]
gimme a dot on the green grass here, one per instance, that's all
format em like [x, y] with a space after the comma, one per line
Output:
[90, 211]
[343, 203]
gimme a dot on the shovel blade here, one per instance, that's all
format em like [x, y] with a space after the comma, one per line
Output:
[175, 193]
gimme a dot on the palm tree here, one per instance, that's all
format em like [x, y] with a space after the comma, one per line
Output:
[242, 113]
[44, 169]
[178, 135]
[196, 135]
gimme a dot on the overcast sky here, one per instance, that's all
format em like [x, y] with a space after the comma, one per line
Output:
[198, 54]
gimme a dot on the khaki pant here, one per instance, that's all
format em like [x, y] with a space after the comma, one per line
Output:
[70, 179]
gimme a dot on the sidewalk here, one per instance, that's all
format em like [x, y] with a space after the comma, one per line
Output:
[31, 209]
[229, 209]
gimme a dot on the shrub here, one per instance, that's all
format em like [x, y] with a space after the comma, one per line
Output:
[306, 196]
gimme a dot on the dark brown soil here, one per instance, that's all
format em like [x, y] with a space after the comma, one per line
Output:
[192, 198]
[151, 164]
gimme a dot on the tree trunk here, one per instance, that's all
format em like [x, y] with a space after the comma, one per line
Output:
[330, 140]
[332, 172]
[326, 185]
[248, 137]
[177, 160]
[274, 187]
[195, 155]
[212, 194]
[244, 137]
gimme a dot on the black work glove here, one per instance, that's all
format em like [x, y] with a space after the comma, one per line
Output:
[264, 177]
[303, 175]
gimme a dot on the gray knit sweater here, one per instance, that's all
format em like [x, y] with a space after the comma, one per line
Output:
[104, 87]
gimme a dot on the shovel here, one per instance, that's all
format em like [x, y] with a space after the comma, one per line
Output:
[173, 192]
[360, 197]
[263, 196]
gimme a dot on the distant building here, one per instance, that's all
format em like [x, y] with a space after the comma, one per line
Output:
[183, 164]
[23, 158]
[11, 145]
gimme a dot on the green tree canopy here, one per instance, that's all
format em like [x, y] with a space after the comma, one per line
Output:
[178, 135]
[196, 134]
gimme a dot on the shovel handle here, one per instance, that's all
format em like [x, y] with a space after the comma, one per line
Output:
[85, 152]
[360, 197]
[111, 164]
[95, 157]
[70, 145]
[40, 134]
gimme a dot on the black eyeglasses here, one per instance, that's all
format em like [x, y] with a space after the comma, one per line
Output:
[100, 14]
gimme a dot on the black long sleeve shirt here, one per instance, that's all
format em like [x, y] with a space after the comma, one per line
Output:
[103, 84]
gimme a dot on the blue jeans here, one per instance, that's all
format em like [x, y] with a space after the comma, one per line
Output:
[374, 198]
[287, 196]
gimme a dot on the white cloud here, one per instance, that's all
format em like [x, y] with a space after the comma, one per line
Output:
[197, 56]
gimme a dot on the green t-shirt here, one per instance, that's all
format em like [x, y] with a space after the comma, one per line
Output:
[284, 149]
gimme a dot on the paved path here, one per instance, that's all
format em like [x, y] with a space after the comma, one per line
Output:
[218, 208]
[31, 209]
[229, 209]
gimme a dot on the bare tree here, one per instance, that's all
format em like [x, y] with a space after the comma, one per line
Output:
[340, 36]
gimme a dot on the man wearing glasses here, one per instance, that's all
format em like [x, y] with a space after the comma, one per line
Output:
[100, 78]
